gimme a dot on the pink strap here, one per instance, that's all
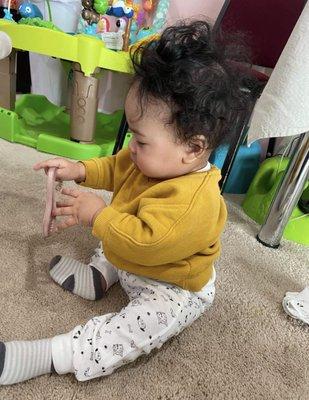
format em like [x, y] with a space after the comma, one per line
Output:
[48, 219]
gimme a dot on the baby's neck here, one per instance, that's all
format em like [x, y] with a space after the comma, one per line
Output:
[199, 165]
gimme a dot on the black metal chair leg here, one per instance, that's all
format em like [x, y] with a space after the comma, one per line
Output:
[271, 147]
[123, 129]
[241, 126]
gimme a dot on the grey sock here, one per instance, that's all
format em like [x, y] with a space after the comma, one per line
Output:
[81, 279]
[20, 360]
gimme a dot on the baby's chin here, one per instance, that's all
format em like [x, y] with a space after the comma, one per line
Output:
[152, 174]
[156, 176]
[148, 174]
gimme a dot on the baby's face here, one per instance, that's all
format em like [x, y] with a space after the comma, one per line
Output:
[154, 149]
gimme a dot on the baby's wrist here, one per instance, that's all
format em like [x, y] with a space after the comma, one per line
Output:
[95, 215]
[81, 172]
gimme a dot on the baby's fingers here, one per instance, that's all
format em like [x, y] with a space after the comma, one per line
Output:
[66, 223]
[54, 162]
[66, 210]
[65, 202]
[71, 192]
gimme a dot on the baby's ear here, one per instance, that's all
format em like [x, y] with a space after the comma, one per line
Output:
[198, 145]
[196, 148]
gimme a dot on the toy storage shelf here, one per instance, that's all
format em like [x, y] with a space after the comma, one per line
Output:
[49, 129]
[88, 51]
[59, 133]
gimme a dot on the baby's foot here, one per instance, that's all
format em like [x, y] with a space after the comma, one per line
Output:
[89, 281]
[81, 279]
[20, 361]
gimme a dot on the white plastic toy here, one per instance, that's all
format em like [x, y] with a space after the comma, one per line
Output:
[5, 45]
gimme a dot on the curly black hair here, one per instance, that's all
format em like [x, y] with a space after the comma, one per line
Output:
[196, 74]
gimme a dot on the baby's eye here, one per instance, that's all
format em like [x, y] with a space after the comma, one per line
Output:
[141, 143]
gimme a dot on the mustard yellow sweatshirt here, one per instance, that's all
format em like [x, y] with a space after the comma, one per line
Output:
[168, 230]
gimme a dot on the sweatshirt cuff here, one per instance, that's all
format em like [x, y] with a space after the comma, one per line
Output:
[101, 222]
[93, 172]
[62, 353]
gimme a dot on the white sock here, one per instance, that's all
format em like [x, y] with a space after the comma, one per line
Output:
[21, 360]
[296, 305]
[85, 280]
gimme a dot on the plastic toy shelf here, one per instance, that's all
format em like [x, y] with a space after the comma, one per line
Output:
[33, 121]
[40, 124]
[88, 51]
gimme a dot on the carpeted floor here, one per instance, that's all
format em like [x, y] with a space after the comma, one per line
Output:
[243, 348]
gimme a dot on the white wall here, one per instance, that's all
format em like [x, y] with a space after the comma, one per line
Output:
[197, 8]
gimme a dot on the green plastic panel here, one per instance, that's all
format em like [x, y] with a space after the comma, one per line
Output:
[40, 124]
[261, 192]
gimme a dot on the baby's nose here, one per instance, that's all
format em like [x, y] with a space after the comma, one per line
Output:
[132, 146]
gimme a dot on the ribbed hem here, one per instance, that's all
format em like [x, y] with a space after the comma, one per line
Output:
[93, 171]
[62, 353]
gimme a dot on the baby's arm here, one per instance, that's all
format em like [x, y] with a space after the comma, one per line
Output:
[97, 173]
[155, 236]
[106, 172]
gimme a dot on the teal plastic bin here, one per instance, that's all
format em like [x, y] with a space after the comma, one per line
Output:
[245, 166]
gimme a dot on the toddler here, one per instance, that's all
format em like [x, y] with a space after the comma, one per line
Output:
[160, 236]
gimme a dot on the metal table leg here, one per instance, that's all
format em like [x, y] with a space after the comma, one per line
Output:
[287, 195]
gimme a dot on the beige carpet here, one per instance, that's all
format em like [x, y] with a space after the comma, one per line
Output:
[243, 348]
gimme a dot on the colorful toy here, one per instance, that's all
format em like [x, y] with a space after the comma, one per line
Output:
[103, 25]
[7, 12]
[147, 5]
[88, 13]
[150, 19]
[29, 10]
[115, 40]
[31, 15]
[39, 23]
[121, 24]
[101, 6]
[8, 15]
[137, 20]
[91, 29]
[119, 9]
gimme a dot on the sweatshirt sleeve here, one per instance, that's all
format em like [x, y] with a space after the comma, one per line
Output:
[100, 172]
[156, 235]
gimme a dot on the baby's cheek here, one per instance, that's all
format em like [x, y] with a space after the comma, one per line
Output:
[149, 167]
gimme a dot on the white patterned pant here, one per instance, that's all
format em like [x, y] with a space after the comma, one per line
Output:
[156, 312]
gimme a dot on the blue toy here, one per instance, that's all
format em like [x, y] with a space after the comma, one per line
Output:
[7, 14]
[119, 10]
[91, 29]
[29, 10]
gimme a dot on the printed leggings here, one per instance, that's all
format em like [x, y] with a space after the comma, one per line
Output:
[156, 312]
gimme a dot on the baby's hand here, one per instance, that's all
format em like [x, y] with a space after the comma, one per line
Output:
[66, 170]
[79, 208]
